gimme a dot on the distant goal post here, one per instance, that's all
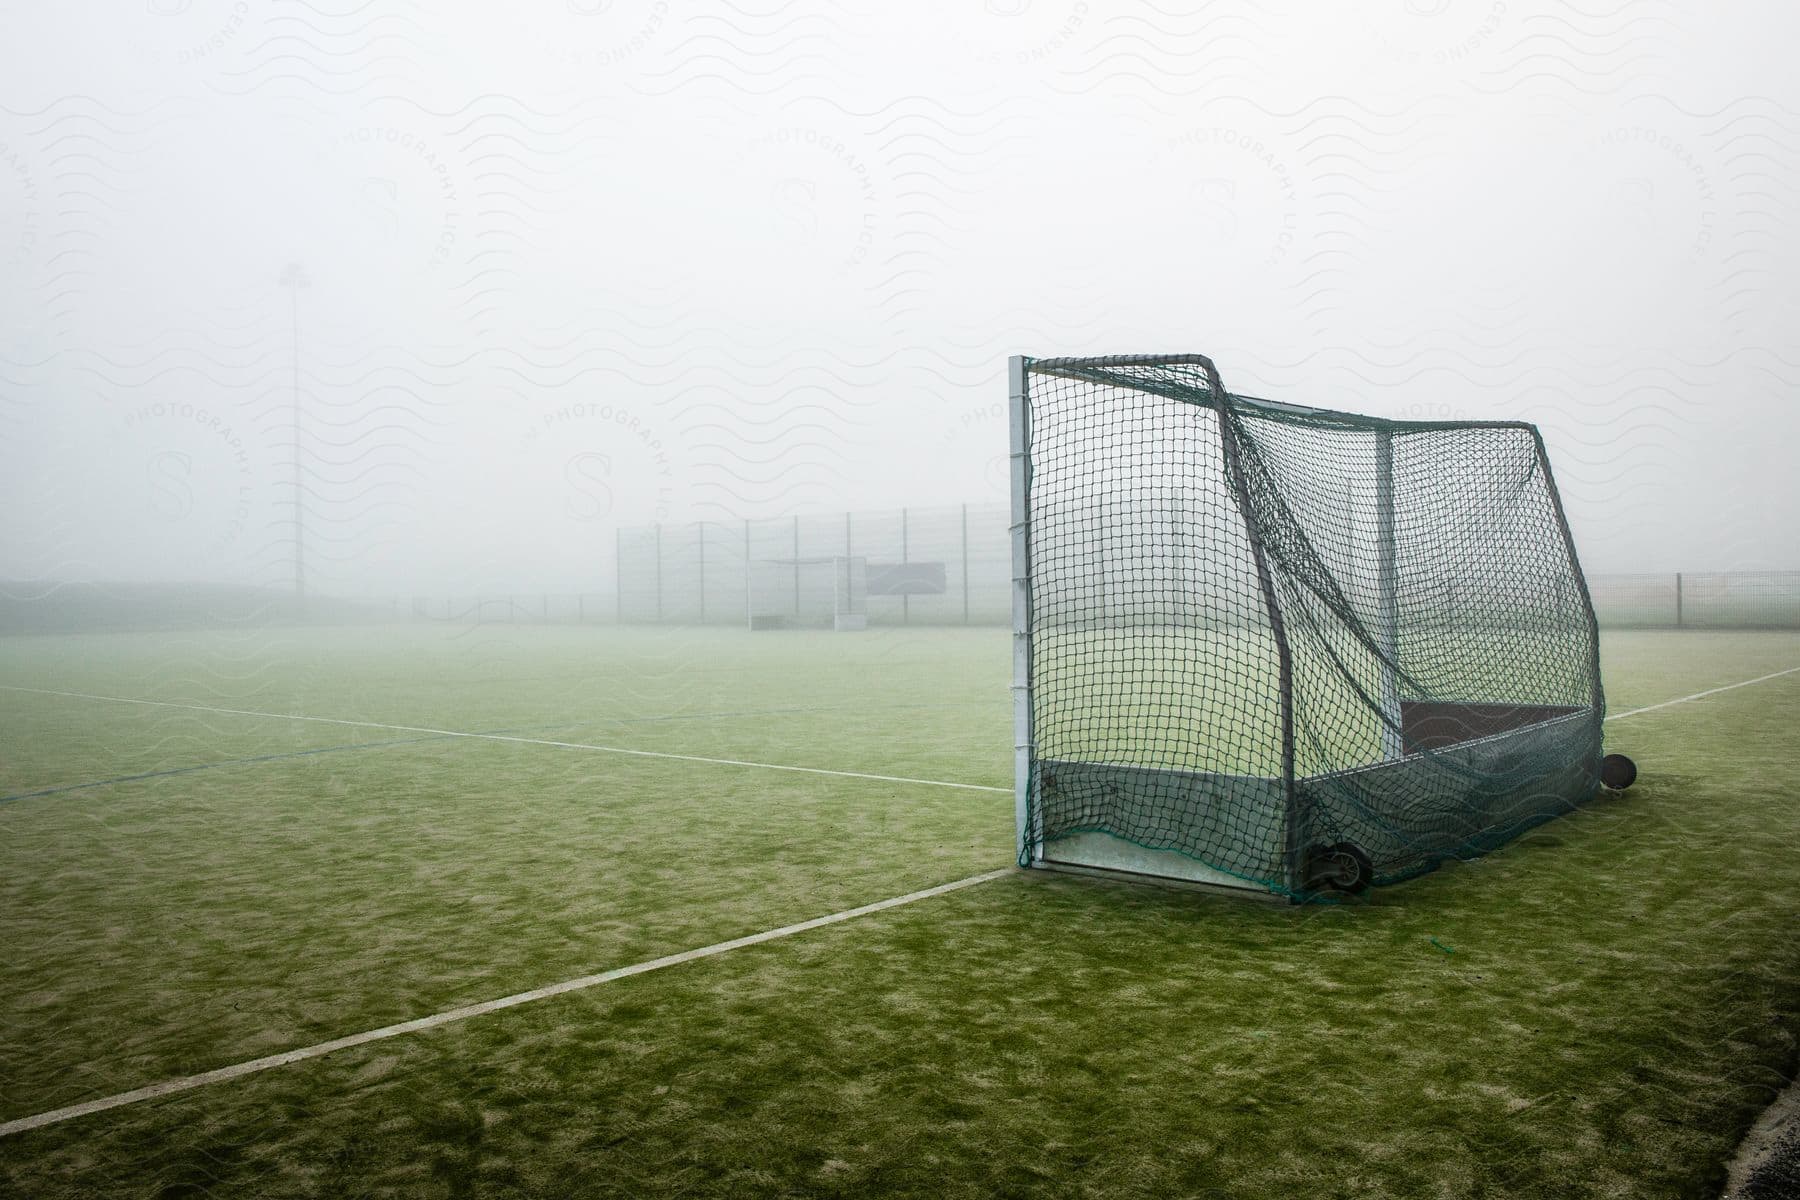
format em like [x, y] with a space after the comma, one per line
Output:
[825, 591]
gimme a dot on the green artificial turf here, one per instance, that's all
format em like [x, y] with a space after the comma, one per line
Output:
[1596, 1010]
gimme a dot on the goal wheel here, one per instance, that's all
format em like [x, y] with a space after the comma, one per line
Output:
[1617, 772]
[1340, 867]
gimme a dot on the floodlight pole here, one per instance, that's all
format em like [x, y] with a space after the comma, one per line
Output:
[1019, 426]
[1387, 594]
[293, 278]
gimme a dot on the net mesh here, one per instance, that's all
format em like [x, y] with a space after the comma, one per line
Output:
[1260, 633]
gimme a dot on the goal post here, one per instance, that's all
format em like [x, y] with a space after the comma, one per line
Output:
[1387, 624]
[1019, 458]
[828, 591]
[1278, 648]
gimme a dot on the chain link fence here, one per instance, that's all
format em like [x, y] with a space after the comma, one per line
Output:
[701, 581]
[951, 566]
[923, 566]
[1698, 600]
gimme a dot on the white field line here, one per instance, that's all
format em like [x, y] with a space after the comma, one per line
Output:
[1697, 695]
[237, 1071]
[503, 737]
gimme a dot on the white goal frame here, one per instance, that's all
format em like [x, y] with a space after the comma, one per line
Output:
[849, 594]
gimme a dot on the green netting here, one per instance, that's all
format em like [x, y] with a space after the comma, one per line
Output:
[1259, 633]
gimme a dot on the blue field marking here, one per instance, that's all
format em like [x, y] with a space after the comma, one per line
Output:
[260, 758]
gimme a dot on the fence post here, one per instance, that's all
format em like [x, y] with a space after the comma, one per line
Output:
[700, 532]
[749, 612]
[906, 596]
[1678, 600]
[965, 562]
[847, 556]
[659, 572]
[618, 574]
[796, 568]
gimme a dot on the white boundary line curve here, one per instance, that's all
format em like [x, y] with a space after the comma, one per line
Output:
[186, 1083]
[527, 741]
[1697, 695]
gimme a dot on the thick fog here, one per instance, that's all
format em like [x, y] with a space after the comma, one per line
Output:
[468, 286]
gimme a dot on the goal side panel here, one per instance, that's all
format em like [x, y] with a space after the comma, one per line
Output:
[1443, 649]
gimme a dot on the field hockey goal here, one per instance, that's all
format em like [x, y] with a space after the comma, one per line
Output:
[828, 591]
[1264, 646]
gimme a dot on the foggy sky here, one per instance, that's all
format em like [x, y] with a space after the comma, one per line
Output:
[571, 264]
